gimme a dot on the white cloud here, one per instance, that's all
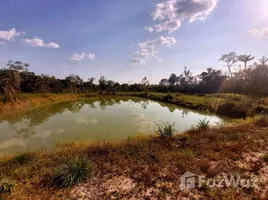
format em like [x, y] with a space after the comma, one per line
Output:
[149, 29]
[184, 10]
[169, 26]
[82, 56]
[37, 42]
[253, 31]
[149, 49]
[2, 42]
[10, 35]
[265, 32]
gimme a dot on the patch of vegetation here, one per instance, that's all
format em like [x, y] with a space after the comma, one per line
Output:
[167, 130]
[73, 172]
[203, 124]
[6, 186]
[22, 159]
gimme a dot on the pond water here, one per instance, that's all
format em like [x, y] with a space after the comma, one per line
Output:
[103, 119]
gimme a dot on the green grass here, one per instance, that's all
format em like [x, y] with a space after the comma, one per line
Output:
[73, 172]
[22, 159]
[203, 124]
[167, 130]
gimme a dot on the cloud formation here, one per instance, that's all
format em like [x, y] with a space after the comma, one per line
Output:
[149, 49]
[255, 32]
[9, 35]
[169, 26]
[82, 56]
[37, 42]
[265, 32]
[173, 12]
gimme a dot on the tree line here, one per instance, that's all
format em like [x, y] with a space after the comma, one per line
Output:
[249, 79]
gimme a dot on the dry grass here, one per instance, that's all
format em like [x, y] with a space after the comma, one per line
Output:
[146, 167]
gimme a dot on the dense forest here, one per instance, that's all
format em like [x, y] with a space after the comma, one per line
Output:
[249, 79]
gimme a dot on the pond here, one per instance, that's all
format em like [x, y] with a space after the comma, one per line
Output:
[92, 120]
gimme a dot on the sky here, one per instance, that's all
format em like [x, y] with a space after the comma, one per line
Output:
[126, 40]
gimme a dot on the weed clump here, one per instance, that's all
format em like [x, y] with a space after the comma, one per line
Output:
[6, 186]
[73, 172]
[203, 124]
[167, 130]
[168, 97]
[22, 159]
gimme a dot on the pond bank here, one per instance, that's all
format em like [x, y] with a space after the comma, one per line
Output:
[230, 105]
[149, 167]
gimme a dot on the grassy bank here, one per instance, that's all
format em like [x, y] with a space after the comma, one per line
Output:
[231, 105]
[32, 100]
[145, 167]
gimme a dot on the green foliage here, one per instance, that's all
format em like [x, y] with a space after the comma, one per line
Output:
[203, 124]
[167, 130]
[73, 172]
[22, 158]
[6, 186]
[261, 120]
[168, 98]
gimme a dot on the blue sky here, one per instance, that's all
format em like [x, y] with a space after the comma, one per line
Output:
[108, 33]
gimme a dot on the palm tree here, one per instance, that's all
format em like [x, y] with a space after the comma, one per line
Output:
[245, 59]
[230, 59]
[263, 60]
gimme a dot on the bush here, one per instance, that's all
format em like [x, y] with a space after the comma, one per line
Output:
[6, 186]
[168, 97]
[22, 158]
[261, 120]
[203, 124]
[71, 173]
[167, 130]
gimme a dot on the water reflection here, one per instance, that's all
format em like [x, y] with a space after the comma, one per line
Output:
[90, 120]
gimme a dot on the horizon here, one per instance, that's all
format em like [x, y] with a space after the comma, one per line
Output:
[125, 40]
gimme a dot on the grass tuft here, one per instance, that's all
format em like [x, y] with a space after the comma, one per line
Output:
[73, 172]
[22, 159]
[203, 124]
[167, 130]
[6, 186]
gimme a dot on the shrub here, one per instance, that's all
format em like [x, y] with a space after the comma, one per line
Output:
[168, 97]
[6, 186]
[203, 124]
[261, 120]
[167, 130]
[22, 158]
[73, 172]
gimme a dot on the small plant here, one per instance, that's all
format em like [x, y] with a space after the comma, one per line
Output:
[6, 186]
[203, 124]
[167, 130]
[71, 173]
[168, 97]
[22, 158]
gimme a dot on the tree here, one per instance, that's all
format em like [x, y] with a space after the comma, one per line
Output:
[263, 60]
[10, 79]
[172, 80]
[245, 59]
[230, 59]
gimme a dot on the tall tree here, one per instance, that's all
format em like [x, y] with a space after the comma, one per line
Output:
[245, 59]
[230, 59]
[263, 60]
